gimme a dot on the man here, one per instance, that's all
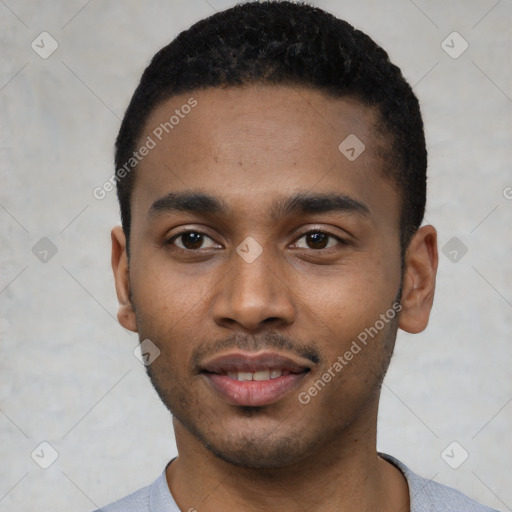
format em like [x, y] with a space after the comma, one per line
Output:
[271, 173]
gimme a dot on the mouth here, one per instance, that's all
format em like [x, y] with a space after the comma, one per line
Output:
[254, 380]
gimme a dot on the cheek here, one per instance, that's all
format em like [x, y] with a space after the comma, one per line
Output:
[352, 298]
[169, 305]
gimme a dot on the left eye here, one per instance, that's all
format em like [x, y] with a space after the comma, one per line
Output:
[317, 240]
[191, 240]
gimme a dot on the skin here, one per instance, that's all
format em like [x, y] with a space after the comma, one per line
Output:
[251, 147]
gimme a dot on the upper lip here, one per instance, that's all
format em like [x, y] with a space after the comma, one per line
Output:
[253, 362]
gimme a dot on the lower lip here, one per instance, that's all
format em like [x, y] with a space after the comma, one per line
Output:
[254, 393]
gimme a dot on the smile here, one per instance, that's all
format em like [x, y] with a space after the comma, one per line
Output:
[254, 380]
[258, 376]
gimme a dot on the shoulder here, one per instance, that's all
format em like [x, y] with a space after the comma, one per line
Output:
[153, 498]
[135, 502]
[429, 496]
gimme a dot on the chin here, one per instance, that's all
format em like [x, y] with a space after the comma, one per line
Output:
[260, 443]
[252, 452]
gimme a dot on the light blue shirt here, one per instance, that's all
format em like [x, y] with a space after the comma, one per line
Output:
[425, 496]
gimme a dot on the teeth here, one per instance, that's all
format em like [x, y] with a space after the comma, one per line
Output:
[261, 375]
[258, 376]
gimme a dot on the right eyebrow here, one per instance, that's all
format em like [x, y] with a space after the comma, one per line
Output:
[193, 202]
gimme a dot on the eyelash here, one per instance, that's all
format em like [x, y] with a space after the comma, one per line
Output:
[340, 241]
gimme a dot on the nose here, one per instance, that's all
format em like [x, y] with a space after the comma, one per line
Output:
[253, 295]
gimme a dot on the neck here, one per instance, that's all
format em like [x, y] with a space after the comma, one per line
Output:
[344, 475]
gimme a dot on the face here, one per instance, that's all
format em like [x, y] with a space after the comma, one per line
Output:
[265, 266]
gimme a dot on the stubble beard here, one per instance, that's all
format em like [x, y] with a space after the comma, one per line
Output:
[282, 446]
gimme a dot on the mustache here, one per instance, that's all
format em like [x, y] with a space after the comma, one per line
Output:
[255, 343]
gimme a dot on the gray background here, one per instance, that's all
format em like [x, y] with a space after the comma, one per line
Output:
[67, 372]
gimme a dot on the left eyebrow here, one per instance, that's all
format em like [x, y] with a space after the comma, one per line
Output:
[300, 203]
[306, 203]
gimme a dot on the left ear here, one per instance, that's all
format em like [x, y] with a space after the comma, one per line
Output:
[419, 284]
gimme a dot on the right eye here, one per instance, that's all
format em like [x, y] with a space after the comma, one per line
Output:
[192, 241]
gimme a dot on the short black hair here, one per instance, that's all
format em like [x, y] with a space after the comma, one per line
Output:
[286, 43]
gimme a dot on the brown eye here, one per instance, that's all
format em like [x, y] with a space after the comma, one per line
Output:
[192, 240]
[317, 240]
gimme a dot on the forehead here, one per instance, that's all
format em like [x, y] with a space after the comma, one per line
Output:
[260, 143]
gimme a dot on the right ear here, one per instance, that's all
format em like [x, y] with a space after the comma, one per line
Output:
[125, 313]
